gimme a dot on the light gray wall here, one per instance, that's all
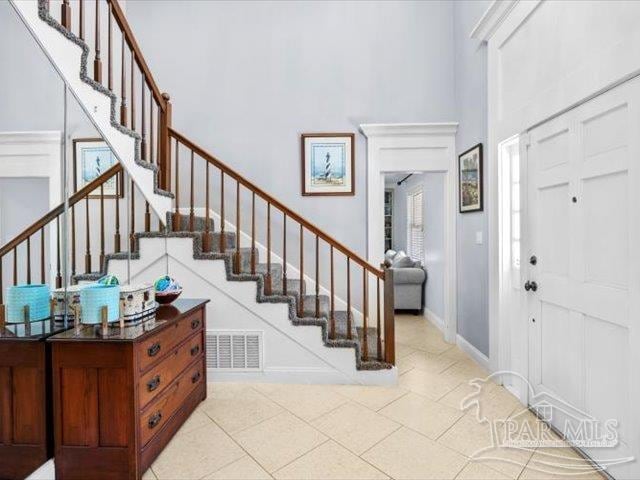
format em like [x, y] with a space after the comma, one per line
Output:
[471, 112]
[247, 78]
[432, 184]
[22, 202]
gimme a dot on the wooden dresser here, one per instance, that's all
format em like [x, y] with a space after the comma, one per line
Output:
[26, 433]
[119, 399]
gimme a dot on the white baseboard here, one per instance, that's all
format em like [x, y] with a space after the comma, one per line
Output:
[479, 357]
[435, 319]
[307, 376]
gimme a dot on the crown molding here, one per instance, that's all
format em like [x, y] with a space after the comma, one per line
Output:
[408, 129]
[492, 19]
[18, 138]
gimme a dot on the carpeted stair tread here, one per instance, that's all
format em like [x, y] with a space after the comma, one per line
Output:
[310, 306]
[199, 224]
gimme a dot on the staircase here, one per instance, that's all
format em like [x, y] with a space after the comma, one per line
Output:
[219, 218]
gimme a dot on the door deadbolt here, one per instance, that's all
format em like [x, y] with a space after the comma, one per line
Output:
[533, 260]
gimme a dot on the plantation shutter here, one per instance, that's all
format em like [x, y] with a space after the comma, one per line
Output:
[415, 226]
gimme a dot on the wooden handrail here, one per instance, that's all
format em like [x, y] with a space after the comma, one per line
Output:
[273, 201]
[51, 215]
[121, 19]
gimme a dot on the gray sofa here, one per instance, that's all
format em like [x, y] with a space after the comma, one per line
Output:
[409, 278]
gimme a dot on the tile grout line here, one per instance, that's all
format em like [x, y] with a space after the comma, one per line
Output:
[239, 446]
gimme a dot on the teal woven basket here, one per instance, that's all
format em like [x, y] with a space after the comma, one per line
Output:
[94, 297]
[36, 297]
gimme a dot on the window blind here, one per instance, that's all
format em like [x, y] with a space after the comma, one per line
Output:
[415, 226]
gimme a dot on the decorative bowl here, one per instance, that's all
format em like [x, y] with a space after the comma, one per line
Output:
[168, 297]
[94, 297]
[36, 297]
[167, 289]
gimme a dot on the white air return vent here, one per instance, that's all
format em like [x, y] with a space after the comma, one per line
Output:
[236, 350]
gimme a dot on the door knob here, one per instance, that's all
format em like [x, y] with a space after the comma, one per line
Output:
[533, 286]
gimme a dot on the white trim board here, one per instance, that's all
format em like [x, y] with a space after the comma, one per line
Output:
[414, 147]
[475, 354]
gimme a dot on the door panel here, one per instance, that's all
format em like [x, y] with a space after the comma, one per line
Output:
[582, 168]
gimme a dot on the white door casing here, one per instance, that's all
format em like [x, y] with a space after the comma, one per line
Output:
[414, 147]
[583, 168]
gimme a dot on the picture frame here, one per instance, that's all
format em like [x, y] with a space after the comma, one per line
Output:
[91, 158]
[328, 164]
[470, 179]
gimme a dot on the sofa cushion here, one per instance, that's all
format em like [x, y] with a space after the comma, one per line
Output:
[402, 260]
[388, 257]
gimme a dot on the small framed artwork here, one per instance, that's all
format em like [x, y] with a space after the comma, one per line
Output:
[470, 178]
[91, 158]
[328, 161]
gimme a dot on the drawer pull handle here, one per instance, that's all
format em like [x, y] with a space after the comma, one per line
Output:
[155, 419]
[154, 383]
[195, 350]
[195, 377]
[195, 323]
[153, 350]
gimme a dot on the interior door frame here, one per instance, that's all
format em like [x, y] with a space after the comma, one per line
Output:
[415, 147]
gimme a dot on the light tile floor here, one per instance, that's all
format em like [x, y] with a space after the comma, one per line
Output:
[416, 430]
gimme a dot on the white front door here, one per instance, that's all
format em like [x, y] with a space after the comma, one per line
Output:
[583, 209]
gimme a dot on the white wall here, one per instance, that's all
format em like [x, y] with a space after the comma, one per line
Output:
[246, 78]
[471, 113]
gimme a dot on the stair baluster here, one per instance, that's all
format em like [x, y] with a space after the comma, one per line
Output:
[65, 16]
[116, 237]
[301, 302]
[284, 257]
[332, 314]
[133, 91]
[109, 50]
[147, 217]
[87, 253]
[58, 274]
[206, 239]
[132, 233]
[81, 19]
[42, 274]
[223, 241]
[15, 266]
[28, 260]
[123, 87]
[1, 282]
[268, 287]
[192, 216]
[317, 277]
[253, 233]
[151, 131]
[101, 263]
[349, 335]
[236, 258]
[97, 61]
[73, 240]
[379, 330]
[143, 126]
[365, 315]
[176, 215]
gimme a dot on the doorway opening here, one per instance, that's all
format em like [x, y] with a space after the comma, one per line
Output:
[414, 241]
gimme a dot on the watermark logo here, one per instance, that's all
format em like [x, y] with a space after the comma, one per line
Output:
[516, 436]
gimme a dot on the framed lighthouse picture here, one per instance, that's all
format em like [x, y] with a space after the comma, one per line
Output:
[328, 164]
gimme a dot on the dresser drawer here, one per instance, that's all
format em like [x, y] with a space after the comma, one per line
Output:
[158, 346]
[160, 410]
[161, 375]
